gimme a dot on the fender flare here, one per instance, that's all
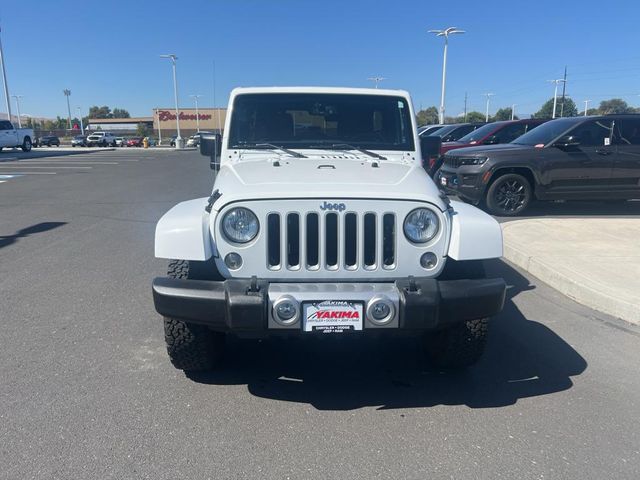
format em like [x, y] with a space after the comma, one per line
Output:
[475, 235]
[183, 232]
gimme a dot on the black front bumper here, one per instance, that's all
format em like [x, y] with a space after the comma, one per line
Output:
[467, 185]
[242, 305]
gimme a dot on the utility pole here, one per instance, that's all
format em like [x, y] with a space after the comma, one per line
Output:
[18, 97]
[488, 95]
[195, 98]
[4, 80]
[81, 123]
[555, 94]
[513, 111]
[159, 129]
[564, 88]
[586, 107]
[67, 93]
[465, 106]
[376, 80]
[173, 59]
[445, 33]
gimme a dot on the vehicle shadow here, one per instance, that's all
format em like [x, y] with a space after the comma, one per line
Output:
[580, 209]
[44, 152]
[7, 240]
[524, 358]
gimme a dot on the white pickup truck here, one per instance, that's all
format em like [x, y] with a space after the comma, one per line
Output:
[322, 221]
[11, 137]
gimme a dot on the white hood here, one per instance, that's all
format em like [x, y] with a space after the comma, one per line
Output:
[325, 176]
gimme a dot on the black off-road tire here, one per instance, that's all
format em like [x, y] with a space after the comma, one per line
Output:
[26, 144]
[191, 347]
[509, 195]
[462, 344]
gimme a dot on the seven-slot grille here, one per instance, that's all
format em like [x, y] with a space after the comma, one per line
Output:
[331, 241]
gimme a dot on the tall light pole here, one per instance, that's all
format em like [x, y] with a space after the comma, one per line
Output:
[586, 107]
[445, 33]
[18, 97]
[557, 81]
[486, 115]
[67, 93]
[80, 117]
[513, 111]
[4, 81]
[159, 129]
[376, 80]
[195, 99]
[173, 59]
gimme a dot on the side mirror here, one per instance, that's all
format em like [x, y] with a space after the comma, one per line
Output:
[430, 146]
[211, 146]
[567, 141]
[492, 140]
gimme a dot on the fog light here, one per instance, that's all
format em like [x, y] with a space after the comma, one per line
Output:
[380, 310]
[428, 261]
[286, 310]
[233, 261]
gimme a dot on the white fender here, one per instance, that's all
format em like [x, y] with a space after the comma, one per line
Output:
[183, 232]
[475, 235]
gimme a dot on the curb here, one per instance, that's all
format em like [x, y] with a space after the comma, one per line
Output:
[571, 287]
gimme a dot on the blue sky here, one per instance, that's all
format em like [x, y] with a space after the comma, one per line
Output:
[511, 49]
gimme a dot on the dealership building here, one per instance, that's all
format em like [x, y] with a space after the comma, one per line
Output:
[163, 122]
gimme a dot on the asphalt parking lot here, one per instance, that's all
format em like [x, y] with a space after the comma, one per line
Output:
[87, 391]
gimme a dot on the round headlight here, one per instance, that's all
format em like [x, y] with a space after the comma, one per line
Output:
[240, 225]
[421, 225]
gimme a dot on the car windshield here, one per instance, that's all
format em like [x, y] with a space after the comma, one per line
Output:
[442, 131]
[546, 132]
[479, 133]
[314, 120]
[431, 130]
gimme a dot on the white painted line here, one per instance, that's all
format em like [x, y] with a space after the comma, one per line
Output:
[34, 173]
[38, 162]
[22, 166]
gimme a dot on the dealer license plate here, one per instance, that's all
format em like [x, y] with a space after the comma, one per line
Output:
[332, 316]
[443, 181]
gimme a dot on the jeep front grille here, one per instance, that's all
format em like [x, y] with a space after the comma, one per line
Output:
[331, 241]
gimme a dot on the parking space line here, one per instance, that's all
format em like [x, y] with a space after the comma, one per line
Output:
[23, 166]
[33, 173]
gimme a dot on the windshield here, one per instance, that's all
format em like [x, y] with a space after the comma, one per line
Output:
[313, 120]
[479, 133]
[546, 132]
[442, 131]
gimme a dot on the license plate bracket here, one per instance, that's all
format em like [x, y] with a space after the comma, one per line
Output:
[332, 316]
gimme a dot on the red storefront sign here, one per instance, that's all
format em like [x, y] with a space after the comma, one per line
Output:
[166, 115]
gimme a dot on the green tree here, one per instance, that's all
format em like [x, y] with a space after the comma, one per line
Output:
[100, 112]
[503, 114]
[142, 130]
[475, 117]
[120, 113]
[546, 111]
[614, 105]
[427, 116]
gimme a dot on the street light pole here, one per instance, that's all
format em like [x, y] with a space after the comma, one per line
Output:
[81, 124]
[445, 33]
[18, 97]
[175, 94]
[4, 80]
[488, 95]
[159, 129]
[195, 99]
[557, 81]
[376, 80]
[513, 111]
[586, 107]
[67, 93]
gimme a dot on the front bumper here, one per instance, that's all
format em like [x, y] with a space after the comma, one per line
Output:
[466, 184]
[243, 306]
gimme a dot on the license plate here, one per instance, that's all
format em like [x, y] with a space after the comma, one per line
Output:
[332, 316]
[443, 181]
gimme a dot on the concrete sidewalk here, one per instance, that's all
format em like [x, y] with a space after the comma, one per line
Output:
[595, 261]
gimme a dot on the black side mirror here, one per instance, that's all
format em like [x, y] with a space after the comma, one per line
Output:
[430, 146]
[211, 146]
[492, 140]
[567, 141]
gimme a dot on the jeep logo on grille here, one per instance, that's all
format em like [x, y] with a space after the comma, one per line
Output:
[340, 207]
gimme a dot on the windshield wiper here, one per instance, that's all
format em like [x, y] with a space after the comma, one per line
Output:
[346, 146]
[270, 146]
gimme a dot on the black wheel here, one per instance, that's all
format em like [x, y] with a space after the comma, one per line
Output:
[462, 344]
[509, 195]
[26, 144]
[191, 347]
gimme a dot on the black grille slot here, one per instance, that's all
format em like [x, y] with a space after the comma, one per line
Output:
[369, 235]
[331, 239]
[453, 162]
[388, 239]
[350, 240]
[273, 239]
[313, 237]
[293, 240]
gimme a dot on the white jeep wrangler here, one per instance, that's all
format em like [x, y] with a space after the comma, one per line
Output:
[322, 220]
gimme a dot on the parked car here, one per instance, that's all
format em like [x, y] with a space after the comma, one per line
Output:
[79, 141]
[12, 137]
[49, 141]
[579, 158]
[134, 142]
[194, 140]
[101, 139]
[121, 142]
[429, 129]
[455, 131]
[152, 142]
[489, 134]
